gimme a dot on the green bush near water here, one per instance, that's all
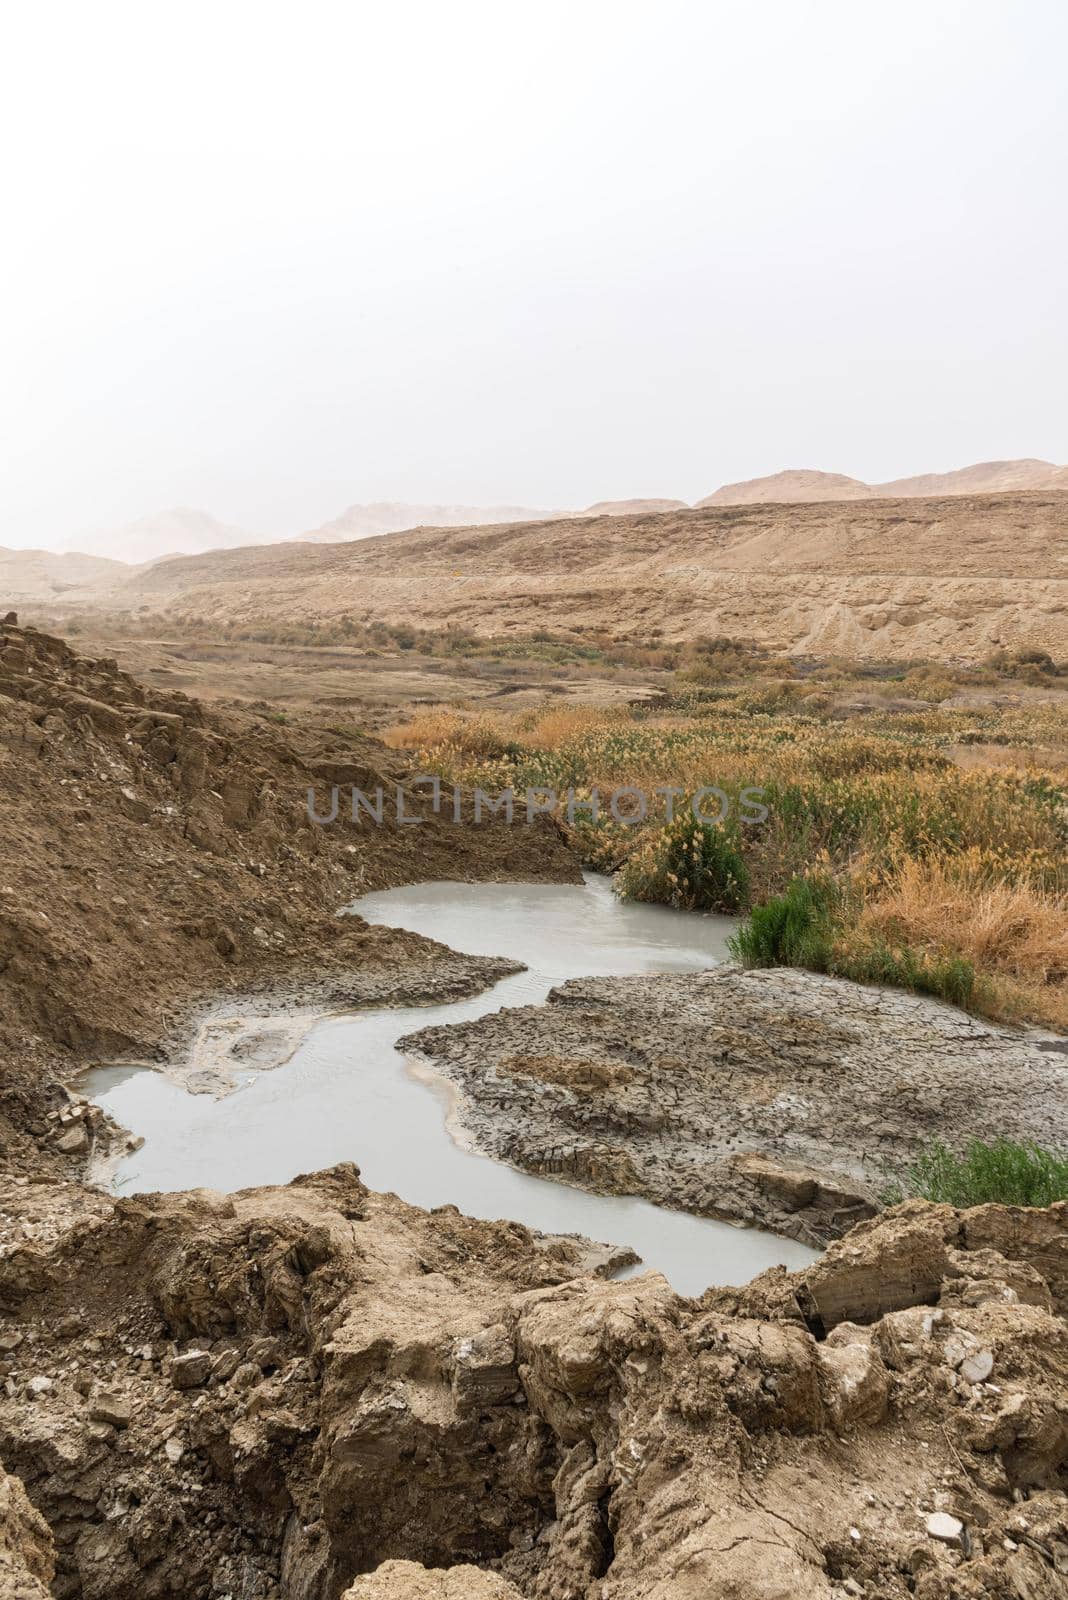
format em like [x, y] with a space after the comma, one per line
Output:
[790, 930]
[1002, 1172]
[809, 926]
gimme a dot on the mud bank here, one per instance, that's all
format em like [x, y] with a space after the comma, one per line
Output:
[155, 852]
[270, 1394]
[780, 1098]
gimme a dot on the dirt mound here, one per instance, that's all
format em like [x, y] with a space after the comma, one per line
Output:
[271, 1393]
[153, 852]
[408, 1580]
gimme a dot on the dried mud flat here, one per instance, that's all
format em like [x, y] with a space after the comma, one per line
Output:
[306, 1391]
[780, 1098]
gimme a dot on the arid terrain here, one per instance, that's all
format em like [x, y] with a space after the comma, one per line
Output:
[308, 1391]
[952, 577]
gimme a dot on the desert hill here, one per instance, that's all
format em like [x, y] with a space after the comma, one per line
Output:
[181, 531]
[944, 576]
[792, 486]
[798, 485]
[41, 575]
[631, 508]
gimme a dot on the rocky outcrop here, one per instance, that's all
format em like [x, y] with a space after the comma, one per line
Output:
[782, 1098]
[311, 1390]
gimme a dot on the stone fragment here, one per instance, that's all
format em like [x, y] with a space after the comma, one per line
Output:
[947, 1529]
[484, 1369]
[115, 1409]
[978, 1367]
[854, 1383]
[190, 1370]
[73, 1140]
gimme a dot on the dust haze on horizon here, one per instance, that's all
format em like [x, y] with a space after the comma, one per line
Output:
[271, 262]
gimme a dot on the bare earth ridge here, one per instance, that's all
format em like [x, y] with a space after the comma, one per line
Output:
[952, 577]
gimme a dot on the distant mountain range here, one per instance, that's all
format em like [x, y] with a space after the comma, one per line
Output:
[389, 516]
[185, 531]
[179, 532]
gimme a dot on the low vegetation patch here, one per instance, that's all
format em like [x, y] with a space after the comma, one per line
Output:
[1001, 1173]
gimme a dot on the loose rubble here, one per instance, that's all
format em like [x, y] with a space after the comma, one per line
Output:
[310, 1389]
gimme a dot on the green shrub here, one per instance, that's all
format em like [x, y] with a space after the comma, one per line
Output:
[1002, 1172]
[794, 929]
[694, 866]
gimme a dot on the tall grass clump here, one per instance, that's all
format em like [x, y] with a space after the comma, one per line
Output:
[794, 929]
[1004, 1173]
[694, 866]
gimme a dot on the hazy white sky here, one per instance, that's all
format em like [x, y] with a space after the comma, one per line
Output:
[270, 259]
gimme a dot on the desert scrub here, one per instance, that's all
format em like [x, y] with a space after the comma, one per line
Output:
[694, 866]
[1001, 1173]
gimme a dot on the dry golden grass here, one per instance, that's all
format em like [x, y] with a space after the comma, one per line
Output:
[1014, 933]
[549, 729]
[424, 730]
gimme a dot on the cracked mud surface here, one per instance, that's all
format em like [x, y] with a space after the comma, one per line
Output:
[781, 1098]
